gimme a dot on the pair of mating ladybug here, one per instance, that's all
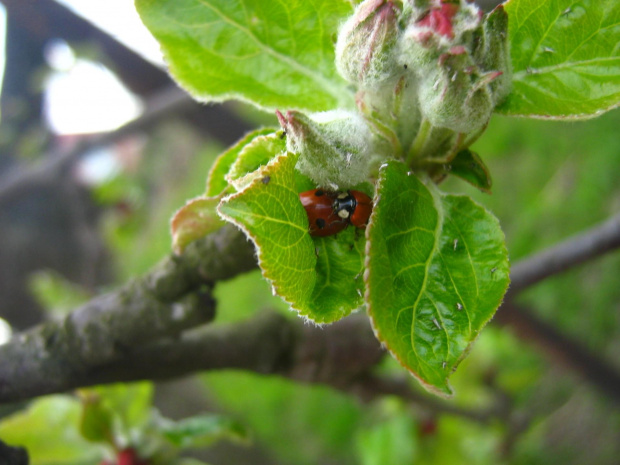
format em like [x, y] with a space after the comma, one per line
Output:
[331, 212]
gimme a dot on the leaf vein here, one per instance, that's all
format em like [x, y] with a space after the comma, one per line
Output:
[327, 84]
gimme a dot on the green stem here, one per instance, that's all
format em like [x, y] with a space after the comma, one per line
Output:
[474, 137]
[420, 141]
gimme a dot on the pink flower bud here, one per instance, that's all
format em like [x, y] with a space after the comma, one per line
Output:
[364, 52]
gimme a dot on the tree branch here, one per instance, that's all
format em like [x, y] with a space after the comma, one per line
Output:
[136, 332]
[561, 348]
[159, 306]
[579, 249]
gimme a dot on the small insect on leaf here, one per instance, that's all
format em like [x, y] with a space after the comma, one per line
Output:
[331, 212]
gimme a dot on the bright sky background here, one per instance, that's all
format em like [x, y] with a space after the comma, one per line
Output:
[120, 19]
[85, 97]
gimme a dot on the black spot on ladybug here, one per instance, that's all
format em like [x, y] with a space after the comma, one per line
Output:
[266, 179]
[320, 223]
[319, 193]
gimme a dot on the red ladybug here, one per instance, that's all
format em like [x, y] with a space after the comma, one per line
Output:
[331, 212]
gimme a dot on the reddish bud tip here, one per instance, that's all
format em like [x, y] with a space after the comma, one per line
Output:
[440, 19]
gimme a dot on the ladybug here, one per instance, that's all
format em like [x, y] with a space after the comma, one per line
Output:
[331, 212]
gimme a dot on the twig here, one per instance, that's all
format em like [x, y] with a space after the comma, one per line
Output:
[586, 246]
[159, 306]
[370, 387]
[223, 126]
[164, 104]
[561, 348]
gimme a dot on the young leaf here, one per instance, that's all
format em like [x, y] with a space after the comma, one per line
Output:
[255, 154]
[48, 430]
[203, 430]
[317, 276]
[271, 215]
[565, 57]
[216, 181]
[273, 54]
[197, 218]
[437, 270]
[468, 166]
[131, 404]
[97, 421]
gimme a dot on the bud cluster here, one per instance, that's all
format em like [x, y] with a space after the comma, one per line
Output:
[428, 75]
[421, 62]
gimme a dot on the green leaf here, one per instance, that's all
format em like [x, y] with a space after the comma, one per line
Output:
[392, 440]
[96, 423]
[216, 181]
[273, 54]
[437, 269]
[48, 430]
[271, 214]
[319, 277]
[340, 286]
[197, 218]
[130, 404]
[468, 166]
[254, 155]
[201, 431]
[565, 57]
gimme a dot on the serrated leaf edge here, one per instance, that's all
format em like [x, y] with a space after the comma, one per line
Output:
[173, 223]
[250, 236]
[436, 194]
[334, 87]
[367, 272]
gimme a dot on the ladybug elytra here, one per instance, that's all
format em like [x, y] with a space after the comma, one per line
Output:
[331, 212]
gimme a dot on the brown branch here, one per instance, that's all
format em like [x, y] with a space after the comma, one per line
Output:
[572, 252]
[136, 333]
[561, 349]
[341, 355]
[557, 346]
[165, 104]
[370, 387]
[159, 306]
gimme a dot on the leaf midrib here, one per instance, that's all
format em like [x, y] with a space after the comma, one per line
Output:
[327, 84]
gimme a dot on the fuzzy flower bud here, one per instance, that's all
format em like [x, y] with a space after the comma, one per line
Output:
[335, 148]
[462, 62]
[455, 95]
[492, 52]
[364, 51]
[435, 30]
